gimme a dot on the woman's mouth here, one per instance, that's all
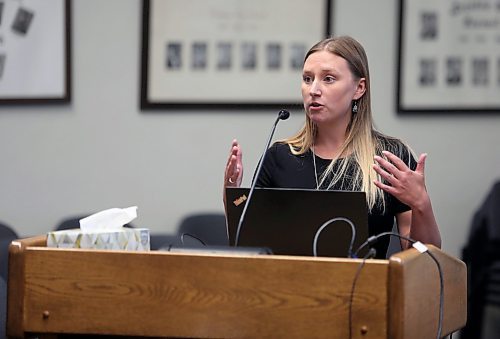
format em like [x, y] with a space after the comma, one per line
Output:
[315, 106]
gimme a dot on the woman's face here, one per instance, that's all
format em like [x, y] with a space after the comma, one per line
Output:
[329, 87]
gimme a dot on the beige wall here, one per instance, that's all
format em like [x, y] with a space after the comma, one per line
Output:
[101, 151]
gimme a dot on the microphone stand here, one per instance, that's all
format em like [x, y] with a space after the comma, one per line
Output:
[282, 115]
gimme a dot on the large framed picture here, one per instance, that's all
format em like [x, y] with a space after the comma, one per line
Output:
[35, 60]
[449, 56]
[227, 53]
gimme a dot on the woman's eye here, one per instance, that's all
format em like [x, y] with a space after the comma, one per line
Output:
[307, 79]
[329, 78]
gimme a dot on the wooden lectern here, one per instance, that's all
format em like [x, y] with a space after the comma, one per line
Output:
[163, 294]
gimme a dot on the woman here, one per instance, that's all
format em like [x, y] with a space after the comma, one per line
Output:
[339, 148]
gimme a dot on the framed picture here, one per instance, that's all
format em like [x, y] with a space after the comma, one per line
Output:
[227, 53]
[449, 56]
[35, 51]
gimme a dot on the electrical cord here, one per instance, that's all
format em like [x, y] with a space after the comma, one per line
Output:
[422, 248]
[441, 294]
[374, 238]
[192, 236]
[371, 253]
[329, 222]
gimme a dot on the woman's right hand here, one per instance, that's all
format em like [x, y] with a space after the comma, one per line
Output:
[234, 167]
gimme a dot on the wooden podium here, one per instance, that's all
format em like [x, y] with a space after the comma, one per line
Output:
[163, 294]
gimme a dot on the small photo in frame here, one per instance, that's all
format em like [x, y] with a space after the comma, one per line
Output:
[224, 55]
[22, 20]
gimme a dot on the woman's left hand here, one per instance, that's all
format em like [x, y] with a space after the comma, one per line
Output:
[406, 185]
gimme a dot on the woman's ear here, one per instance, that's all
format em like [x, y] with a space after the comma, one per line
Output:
[360, 89]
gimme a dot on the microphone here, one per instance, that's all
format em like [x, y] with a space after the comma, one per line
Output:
[282, 115]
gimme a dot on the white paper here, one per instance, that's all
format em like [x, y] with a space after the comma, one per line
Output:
[110, 219]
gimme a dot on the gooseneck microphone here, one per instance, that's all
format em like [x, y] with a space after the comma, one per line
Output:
[282, 115]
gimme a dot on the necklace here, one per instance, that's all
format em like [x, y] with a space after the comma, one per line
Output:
[315, 170]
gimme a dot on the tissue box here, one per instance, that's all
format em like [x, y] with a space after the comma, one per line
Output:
[132, 239]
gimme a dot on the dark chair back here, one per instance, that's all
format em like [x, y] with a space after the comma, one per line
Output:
[163, 241]
[206, 228]
[3, 307]
[7, 234]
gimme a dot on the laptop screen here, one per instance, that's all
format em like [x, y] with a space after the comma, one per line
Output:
[298, 221]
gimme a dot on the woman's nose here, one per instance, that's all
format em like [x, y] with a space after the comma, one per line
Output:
[315, 89]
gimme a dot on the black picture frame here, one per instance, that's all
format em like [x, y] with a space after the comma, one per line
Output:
[448, 57]
[35, 59]
[217, 65]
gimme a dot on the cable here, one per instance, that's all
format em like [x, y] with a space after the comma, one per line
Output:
[422, 248]
[327, 223]
[192, 236]
[371, 253]
[441, 294]
[374, 238]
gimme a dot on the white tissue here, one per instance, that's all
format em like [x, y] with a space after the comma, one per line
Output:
[110, 219]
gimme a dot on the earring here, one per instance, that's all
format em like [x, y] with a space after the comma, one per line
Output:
[355, 106]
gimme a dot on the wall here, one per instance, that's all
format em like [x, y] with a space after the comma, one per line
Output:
[101, 151]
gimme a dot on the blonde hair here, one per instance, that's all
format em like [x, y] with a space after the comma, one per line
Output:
[362, 142]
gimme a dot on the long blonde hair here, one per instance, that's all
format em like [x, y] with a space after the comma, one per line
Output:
[362, 141]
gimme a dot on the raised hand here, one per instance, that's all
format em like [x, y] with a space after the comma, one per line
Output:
[234, 167]
[400, 181]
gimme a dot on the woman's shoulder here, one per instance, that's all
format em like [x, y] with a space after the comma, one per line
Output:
[284, 151]
[281, 147]
[389, 143]
[396, 146]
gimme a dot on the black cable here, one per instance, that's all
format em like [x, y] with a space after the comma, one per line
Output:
[371, 253]
[441, 294]
[373, 239]
[192, 236]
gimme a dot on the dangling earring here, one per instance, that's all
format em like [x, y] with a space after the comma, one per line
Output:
[355, 106]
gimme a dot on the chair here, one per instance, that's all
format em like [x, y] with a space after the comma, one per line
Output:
[159, 241]
[7, 234]
[3, 307]
[204, 229]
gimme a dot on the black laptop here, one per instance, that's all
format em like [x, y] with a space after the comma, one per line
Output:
[298, 221]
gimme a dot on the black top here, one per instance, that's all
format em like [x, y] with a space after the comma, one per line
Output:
[282, 169]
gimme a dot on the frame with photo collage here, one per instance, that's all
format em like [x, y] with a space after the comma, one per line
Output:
[199, 54]
[449, 57]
